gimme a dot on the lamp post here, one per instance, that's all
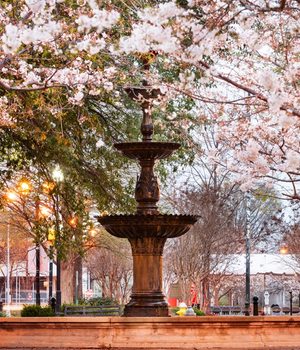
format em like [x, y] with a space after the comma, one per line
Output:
[8, 276]
[248, 212]
[37, 275]
[10, 196]
[284, 250]
[37, 265]
[51, 237]
[58, 177]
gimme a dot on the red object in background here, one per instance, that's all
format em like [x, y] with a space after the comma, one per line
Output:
[29, 296]
[194, 300]
[193, 295]
[172, 302]
[89, 293]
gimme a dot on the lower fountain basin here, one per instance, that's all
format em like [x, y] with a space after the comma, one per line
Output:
[140, 225]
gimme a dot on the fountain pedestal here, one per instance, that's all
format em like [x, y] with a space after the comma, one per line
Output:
[147, 298]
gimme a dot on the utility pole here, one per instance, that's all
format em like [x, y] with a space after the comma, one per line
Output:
[248, 213]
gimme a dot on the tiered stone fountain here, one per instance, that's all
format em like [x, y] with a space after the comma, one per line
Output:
[147, 229]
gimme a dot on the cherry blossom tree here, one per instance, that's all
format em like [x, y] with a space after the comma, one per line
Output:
[239, 61]
[236, 60]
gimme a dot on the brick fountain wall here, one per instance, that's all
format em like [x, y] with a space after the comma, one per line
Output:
[119, 333]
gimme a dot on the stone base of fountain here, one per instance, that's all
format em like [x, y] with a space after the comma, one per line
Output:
[131, 310]
[145, 333]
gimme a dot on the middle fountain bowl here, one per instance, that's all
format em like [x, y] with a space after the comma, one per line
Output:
[154, 224]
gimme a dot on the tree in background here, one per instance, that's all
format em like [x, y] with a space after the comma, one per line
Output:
[46, 206]
[206, 251]
[192, 257]
[18, 252]
[111, 267]
[290, 243]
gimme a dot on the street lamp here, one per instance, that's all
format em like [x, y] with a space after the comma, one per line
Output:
[93, 232]
[24, 187]
[45, 212]
[57, 174]
[248, 212]
[283, 250]
[73, 221]
[58, 177]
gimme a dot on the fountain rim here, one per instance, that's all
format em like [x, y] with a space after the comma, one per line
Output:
[158, 226]
[155, 218]
[147, 145]
[146, 150]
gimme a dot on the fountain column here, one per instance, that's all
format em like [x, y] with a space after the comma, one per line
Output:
[147, 298]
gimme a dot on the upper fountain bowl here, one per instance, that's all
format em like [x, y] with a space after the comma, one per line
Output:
[149, 225]
[144, 150]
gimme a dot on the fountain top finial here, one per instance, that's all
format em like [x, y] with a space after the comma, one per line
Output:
[145, 94]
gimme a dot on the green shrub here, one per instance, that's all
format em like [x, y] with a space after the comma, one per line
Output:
[81, 302]
[174, 309]
[102, 301]
[36, 311]
[91, 302]
[197, 311]
[2, 314]
[15, 313]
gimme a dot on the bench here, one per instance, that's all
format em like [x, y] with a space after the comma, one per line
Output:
[101, 310]
[286, 310]
[275, 310]
[225, 310]
[235, 310]
[216, 310]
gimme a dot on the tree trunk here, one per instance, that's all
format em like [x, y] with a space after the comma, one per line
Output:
[27, 279]
[216, 296]
[78, 268]
[185, 288]
[206, 299]
[67, 281]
